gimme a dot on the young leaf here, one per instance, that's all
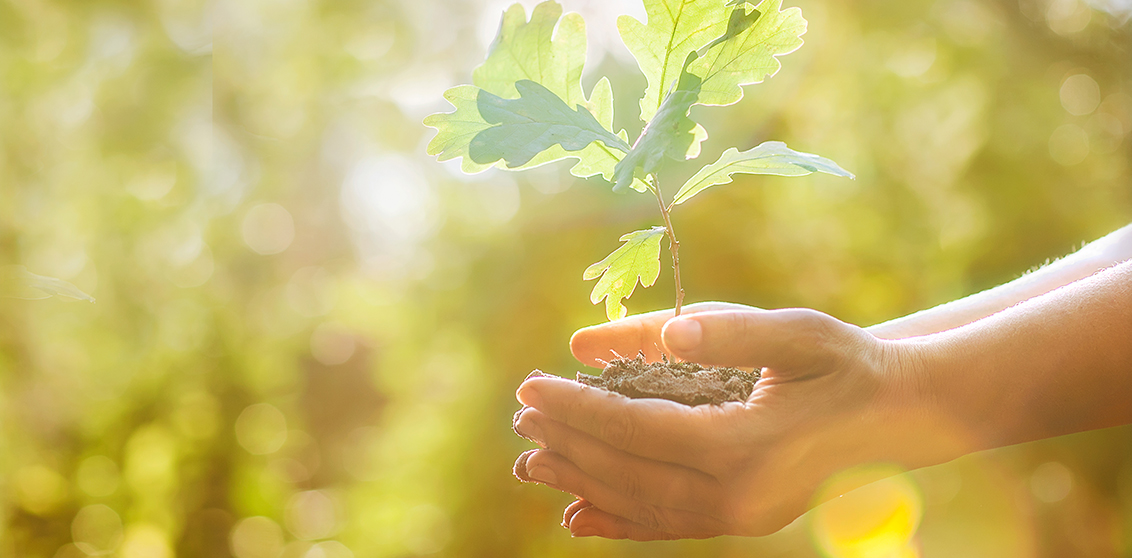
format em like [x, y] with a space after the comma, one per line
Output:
[532, 50]
[670, 133]
[748, 56]
[674, 28]
[597, 159]
[739, 21]
[772, 157]
[637, 259]
[533, 123]
[529, 51]
[17, 282]
[455, 130]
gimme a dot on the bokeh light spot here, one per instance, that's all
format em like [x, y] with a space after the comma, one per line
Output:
[1119, 106]
[914, 58]
[1080, 94]
[196, 272]
[261, 429]
[39, 489]
[1106, 133]
[311, 515]
[877, 520]
[1069, 145]
[146, 541]
[1066, 17]
[1051, 482]
[268, 228]
[329, 549]
[151, 458]
[97, 529]
[256, 537]
[392, 207]
[70, 551]
[153, 181]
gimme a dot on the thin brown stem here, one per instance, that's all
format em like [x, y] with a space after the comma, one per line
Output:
[673, 244]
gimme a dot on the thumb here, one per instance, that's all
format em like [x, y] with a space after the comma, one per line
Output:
[783, 340]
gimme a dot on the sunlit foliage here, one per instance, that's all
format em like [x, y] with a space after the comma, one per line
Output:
[307, 332]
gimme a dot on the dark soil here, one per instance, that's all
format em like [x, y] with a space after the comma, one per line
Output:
[682, 382]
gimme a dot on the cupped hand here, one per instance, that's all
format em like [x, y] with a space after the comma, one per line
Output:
[832, 396]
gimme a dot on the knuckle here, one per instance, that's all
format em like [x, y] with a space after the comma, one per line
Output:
[814, 324]
[619, 430]
[629, 482]
[572, 408]
[650, 516]
[816, 333]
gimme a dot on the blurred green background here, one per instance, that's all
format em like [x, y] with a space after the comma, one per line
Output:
[308, 332]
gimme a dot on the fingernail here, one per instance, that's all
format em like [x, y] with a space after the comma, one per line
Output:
[515, 421]
[543, 474]
[683, 335]
[572, 510]
[520, 469]
[529, 397]
[526, 428]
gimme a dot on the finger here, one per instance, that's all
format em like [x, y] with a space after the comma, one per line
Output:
[571, 510]
[645, 480]
[519, 433]
[520, 467]
[651, 428]
[783, 340]
[596, 345]
[592, 522]
[555, 471]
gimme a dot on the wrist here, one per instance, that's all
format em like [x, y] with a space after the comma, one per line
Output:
[930, 402]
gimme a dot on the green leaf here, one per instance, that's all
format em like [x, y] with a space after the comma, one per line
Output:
[748, 55]
[739, 21]
[17, 282]
[670, 133]
[455, 130]
[636, 260]
[533, 51]
[674, 28]
[533, 123]
[772, 157]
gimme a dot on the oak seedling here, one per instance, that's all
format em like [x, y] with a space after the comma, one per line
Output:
[526, 108]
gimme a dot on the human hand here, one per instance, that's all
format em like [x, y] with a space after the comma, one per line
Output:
[832, 396]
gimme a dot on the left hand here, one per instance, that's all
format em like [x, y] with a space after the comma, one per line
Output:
[832, 396]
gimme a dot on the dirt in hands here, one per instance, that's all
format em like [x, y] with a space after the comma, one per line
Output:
[682, 382]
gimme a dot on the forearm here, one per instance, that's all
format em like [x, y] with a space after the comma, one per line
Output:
[1098, 255]
[1056, 364]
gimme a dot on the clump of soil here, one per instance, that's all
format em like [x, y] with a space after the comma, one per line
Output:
[683, 382]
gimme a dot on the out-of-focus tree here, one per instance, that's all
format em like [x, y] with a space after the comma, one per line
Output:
[307, 332]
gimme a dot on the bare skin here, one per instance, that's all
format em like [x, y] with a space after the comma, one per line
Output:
[1046, 355]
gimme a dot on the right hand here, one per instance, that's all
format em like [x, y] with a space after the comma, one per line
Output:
[832, 396]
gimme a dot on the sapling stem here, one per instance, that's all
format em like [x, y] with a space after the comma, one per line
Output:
[673, 244]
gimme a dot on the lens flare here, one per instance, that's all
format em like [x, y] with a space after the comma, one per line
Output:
[872, 512]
